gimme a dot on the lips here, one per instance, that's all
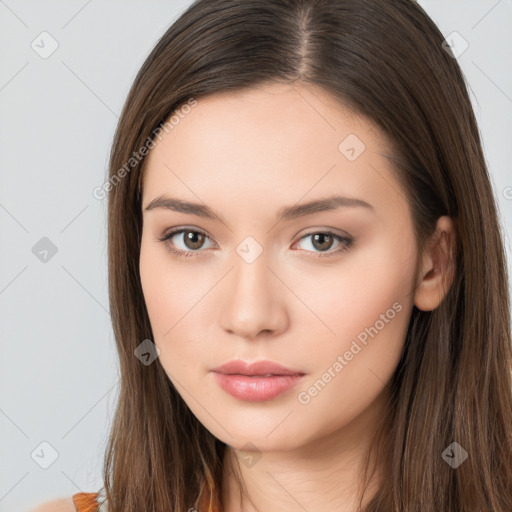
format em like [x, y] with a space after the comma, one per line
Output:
[256, 369]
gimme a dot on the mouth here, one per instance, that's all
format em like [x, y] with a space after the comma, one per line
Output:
[256, 382]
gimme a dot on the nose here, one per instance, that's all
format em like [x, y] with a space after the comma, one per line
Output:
[253, 300]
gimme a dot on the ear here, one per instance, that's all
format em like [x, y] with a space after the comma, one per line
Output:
[437, 267]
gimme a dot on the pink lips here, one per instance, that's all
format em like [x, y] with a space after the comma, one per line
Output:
[255, 382]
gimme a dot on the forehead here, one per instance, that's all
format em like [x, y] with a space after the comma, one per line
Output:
[274, 115]
[282, 141]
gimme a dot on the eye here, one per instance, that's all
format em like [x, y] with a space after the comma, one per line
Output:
[192, 241]
[322, 241]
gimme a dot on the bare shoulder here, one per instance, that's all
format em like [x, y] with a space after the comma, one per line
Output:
[59, 505]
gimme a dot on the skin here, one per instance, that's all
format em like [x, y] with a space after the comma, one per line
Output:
[247, 155]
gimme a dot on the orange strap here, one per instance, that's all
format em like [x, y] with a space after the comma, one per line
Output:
[206, 502]
[86, 501]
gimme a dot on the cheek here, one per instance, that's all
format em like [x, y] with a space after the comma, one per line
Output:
[170, 288]
[354, 292]
[175, 300]
[165, 297]
[364, 305]
[155, 287]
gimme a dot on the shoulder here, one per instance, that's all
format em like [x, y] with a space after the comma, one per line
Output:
[59, 505]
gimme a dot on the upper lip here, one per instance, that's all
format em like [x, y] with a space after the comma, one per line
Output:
[260, 368]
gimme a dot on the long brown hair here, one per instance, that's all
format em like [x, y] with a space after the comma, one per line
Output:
[385, 60]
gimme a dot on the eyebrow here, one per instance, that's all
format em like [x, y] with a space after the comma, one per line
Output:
[284, 214]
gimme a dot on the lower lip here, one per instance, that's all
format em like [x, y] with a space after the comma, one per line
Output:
[256, 389]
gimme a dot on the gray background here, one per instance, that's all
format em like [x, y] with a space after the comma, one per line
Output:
[58, 369]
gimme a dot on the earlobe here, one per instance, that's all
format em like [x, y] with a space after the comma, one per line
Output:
[437, 269]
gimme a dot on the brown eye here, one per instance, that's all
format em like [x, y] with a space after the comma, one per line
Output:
[185, 242]
[193, 239]
[322, 241]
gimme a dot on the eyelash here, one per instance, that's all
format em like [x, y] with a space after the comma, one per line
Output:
[346, 242]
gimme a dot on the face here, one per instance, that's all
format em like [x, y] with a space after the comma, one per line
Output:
[325, 291]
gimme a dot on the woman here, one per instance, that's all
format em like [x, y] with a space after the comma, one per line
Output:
[307, 276]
